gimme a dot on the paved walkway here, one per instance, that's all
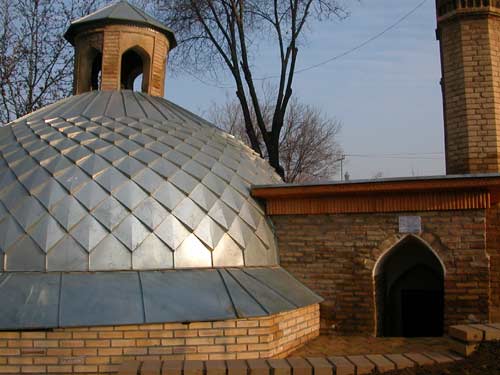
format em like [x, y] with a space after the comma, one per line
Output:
[324, 346]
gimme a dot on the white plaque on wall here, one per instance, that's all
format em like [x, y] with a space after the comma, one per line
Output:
[410, 224]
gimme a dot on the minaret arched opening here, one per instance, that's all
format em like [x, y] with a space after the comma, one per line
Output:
[409, 291]
[134, 64]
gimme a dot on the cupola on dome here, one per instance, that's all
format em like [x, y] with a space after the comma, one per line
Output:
[120, 207]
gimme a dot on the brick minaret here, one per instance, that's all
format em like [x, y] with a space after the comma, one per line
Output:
[469, 35]
[116, 44]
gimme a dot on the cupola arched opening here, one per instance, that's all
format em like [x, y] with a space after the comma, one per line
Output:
[409, 291]
[90, 72]
[96, 72]
[135, 62]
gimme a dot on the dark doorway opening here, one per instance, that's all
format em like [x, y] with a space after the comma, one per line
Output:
[409, 294]
[135, 65]
[96, 73]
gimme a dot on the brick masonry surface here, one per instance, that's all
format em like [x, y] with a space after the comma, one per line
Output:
[103, 349]
[113, 41]
[470, 49]
[335, 256]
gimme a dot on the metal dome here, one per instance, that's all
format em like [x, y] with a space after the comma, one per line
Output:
[125, 181]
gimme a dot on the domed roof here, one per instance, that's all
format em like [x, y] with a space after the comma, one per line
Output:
[120, 180]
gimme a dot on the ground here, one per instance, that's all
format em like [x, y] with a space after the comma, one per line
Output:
[483, 362]
[335, 345]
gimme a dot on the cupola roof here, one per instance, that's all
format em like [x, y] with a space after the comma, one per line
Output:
[119, 12]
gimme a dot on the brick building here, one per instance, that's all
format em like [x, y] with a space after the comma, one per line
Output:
[130, 228]
[412, 256]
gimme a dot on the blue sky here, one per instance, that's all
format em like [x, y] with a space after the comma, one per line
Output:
[386, 95]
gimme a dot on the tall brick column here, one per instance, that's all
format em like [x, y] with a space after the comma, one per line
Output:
[469, 35]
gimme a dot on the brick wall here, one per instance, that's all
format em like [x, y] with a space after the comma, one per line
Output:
[102, 349]
[470, 48]
[335, 255]
[493, 245]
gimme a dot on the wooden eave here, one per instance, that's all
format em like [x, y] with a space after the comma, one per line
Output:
[422, 194]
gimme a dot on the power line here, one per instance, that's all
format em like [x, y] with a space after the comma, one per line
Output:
[336, 57]
[367, 41]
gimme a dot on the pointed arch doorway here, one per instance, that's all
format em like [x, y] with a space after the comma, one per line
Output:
[409, 291]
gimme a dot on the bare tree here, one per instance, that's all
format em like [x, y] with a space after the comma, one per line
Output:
[36, 63]
[308, 141]
[215, 33]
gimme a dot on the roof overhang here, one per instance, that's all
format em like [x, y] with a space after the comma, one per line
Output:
[436, 193]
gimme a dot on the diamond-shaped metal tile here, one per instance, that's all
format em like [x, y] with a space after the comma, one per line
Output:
[205, 160]
[177, 158]
[25, 166]
[50, 193]
[240, 185]
[46, 233]
[111, 179]
[195, 169]
[94, 165]
[57, 165]
[110, 254]
[152, 254]
[142, 139]
[110, 213]
[151, 213]
[240, 232]
[168, 195]
[25, 255]
[77, 154]
[170, 141]
[227, 253]
[223, 172]
[214, 183]
[145, 156]
[256, 254]
[83, 137]
[264, 232]
[159, 148]
[88, 233]
[127, 146]
[90, 195]
[183, 181]
[131, 232]
[163, 168]
[203, 197]
[129, 194]
[97, 144]
[111, 154]
[232, 198]
[73, 179]
[192, 253]
[14, 195]
[172, 232]
[188, 213]
[148, 180]
[35, 179]
[29, 212]
[222, 214]
[68, 212]
[67, 255]
[209, 232]
[250, 215]
[11, 231]
[129, 166]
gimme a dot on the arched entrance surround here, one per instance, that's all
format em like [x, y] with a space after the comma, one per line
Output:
[409, 290]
